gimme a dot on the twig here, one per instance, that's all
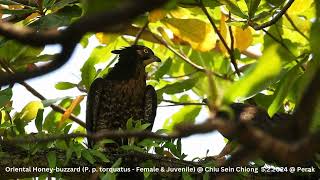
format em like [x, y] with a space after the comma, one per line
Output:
[185, 58]
[232, 58]
[181, 76]
[111, 134]
[69, 37]
[140, 33]
[295, 27]
[284, 46]
[273, 20]
[221, 38]
[41, 97]
[175, 103]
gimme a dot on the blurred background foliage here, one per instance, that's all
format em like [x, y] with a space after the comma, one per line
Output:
[276, 63]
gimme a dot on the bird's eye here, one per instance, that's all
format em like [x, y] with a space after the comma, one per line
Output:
[145, 51]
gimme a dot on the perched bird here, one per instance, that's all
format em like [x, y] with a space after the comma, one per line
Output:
[122, 94]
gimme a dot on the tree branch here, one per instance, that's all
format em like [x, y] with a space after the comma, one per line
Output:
[232, 59]
[38, 95]
[131, 159]
[273, 20]
[295, 27]
[71, 36]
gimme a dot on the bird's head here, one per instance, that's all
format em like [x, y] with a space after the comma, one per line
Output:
[136, 54]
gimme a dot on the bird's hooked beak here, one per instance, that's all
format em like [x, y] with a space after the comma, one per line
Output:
[151, 60]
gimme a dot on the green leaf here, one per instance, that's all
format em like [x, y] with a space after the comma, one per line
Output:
[103, 142]
[86, 155]
[53, 118]
[39, 120]
[67, 128]
[61, 4]
[63, 17]
[144, 126]
[186, 114]
[282, 91]
[163, 69]
[186, 176]
[179, 86]
[77, 148]
[65, 85]
[100, 155]
[9, 2]
[129, 124]
[68, 155]
[5, 96]
[17, 53]
[98, 55]
[49, 102]
[17, 11]
[257, 78]
[117, 163]
[173, 148]
[52, 160]
[252, 7]
[233, 7]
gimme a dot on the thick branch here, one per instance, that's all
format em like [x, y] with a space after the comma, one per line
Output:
[131, 159]
[71, 36]
[307, 106]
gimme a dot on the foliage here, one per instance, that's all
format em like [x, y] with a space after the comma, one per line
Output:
[275, 80]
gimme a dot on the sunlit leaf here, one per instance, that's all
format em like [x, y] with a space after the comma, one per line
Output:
[252, 6]
[234, 8]
[197, 33]
[65, 85]
[299, 6]
[186, 114]
[29, 112]
[106, 38]
[243, 38]
[156, 15]
[257, 78]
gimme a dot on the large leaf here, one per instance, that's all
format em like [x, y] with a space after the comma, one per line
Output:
[197, 33]
[252, 6]
[299, 6]
[62, 17]
[163, 69]
[234, 8]
[88, 71]
[186, 114]
[53, 118]
[65, 85]
[178, 87]
[281, 93]
[14, 52]
[5, 96]
[257, 78]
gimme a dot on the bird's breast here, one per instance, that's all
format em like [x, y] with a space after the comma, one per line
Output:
[120, 101]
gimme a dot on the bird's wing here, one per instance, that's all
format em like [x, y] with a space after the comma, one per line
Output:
[93, 101]
[150, 105]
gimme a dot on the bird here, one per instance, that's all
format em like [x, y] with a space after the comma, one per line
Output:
[122, 93]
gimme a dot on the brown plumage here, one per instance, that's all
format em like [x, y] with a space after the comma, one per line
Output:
[122, 94]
